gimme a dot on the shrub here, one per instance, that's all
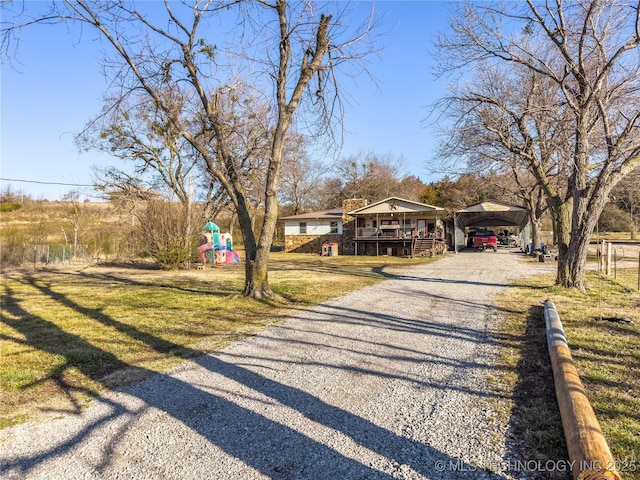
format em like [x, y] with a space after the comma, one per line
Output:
[167, 233]
[613, 219]
[10, 206]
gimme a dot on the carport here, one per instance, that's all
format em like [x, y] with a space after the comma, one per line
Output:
[490, 214]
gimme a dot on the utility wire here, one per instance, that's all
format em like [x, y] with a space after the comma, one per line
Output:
[46, 183]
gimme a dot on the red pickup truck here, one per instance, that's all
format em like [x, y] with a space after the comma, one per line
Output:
[484, 239]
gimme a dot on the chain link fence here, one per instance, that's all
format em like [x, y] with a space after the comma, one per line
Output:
[43, 255]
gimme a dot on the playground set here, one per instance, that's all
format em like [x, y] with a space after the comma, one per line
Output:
[216, 248]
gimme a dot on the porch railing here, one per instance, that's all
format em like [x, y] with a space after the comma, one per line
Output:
[370, 233]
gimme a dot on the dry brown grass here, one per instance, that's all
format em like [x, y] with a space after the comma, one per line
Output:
[68, 335]
[606, 353]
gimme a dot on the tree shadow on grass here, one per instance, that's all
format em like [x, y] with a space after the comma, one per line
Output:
[535, 420]
[188, 286]
[608, 361]
[270, 447]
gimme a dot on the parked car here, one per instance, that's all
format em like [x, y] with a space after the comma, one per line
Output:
[484, 239]
[507, 239]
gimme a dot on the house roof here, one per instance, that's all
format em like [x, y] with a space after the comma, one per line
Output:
[395, 205]
[333, 214]
[492, 213]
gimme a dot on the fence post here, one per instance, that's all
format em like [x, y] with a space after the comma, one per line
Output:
[589, 453]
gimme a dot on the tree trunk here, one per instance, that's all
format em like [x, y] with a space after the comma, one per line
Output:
[257, 266]
[256, 275]
[253, 276]
[577, 251]
[534, 203]
[257, 283]
[562, 221]
[585, 213]
[576, 258]
[535, 233]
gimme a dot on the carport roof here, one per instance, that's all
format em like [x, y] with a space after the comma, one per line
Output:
[491, 213]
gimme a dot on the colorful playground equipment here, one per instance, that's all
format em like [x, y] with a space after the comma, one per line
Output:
[216, 248]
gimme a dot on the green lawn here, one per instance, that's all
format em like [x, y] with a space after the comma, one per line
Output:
[606, 354]
[70, 335]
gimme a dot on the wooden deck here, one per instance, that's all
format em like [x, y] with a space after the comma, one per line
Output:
[400, 246]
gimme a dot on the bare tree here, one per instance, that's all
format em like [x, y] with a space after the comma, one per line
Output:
[142, 136]
[301, 176]
[78, 217]
[411, 187]
[193, 75]
[329, 193]
[586, 49]
[460, 192]
[511, 124]
[530, 194]
[369, 175]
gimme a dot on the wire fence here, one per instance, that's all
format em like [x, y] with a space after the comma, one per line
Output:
[613, 257]
[43, 255]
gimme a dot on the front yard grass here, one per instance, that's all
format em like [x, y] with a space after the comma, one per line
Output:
[69, 335]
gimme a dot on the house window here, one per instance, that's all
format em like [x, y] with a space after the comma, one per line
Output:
[334, 227]
[303, 228]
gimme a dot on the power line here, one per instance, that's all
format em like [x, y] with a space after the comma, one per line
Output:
[45, 183]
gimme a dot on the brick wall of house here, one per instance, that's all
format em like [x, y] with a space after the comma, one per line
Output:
[310, 243]
[313, 243]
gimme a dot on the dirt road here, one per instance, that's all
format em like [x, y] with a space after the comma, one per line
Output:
[385, 382]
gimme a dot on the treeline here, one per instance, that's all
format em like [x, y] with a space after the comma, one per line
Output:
[129, 226]
[375, 177]
[112, 231]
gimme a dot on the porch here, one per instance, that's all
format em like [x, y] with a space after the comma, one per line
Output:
[398, 227]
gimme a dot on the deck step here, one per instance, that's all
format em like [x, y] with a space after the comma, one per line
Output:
[424, 246]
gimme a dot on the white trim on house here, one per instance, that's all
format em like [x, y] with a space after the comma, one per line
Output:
[313, 227]
[324, 222]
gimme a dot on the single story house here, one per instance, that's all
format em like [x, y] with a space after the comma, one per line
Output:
[306, 232]
[396, 226]
[393, 226]
[324, 222]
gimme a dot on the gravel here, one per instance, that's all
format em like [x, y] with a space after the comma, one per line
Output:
[389, 381]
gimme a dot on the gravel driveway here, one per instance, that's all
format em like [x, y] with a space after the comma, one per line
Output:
[385, 382]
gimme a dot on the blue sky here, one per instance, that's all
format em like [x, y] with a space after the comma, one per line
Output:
[56, 86]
